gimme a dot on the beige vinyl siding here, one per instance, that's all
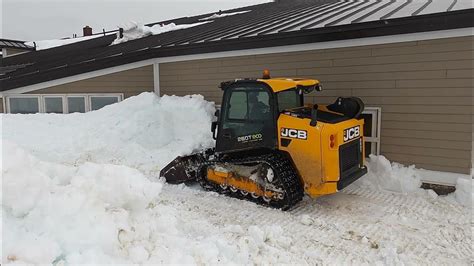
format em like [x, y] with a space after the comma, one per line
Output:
[130, 83]
[424, 88]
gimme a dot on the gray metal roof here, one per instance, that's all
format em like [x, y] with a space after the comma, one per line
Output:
[319, 14]
[286, 22]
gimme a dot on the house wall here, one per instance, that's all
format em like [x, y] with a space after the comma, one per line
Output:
[131, 82]
[424, 88]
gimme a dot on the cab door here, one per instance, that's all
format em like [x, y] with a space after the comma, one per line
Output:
[248, 118]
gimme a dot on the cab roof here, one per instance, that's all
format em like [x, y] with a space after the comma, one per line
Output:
[277, 84]
[281, 84]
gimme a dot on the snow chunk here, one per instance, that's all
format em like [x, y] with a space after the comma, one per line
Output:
[47, 44]
[134, 30]
[221, 15]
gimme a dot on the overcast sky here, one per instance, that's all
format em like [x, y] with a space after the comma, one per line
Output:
[51, 19]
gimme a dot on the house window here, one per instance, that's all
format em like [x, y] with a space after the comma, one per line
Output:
[97, 102]
[53, 104]
[59, 103]
[372, 118]
[76, 104]
[24, 105]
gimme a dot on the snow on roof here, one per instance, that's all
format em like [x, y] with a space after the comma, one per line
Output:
[47, 44]
[134, 30]
[221, 15]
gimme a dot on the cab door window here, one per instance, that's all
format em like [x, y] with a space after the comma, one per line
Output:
[238, 105]
[248, 105]
[247, 118]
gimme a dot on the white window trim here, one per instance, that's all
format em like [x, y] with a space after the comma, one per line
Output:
[376, 113]
[41, 97]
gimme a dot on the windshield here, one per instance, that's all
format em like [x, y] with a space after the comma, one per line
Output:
[289, 99]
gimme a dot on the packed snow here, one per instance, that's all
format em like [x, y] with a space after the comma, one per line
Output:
[221, 15]
[85, 188]
[133, 30]
[47, 44]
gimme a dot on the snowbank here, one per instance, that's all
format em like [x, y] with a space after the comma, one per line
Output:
[108, 214]
[46, 44]
[53, 212]
[395, 177]
[143, 132]
[391, 176]
[79, 203]
[221, 15]
[134, 30]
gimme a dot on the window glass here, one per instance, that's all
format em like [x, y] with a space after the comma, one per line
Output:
[367, 124]
[26, 105]
[258, 105]
[368, 149]
[76, 104]
[238, 105]
[99, 102]
[249, 105]
[289, 99]
[53, 105]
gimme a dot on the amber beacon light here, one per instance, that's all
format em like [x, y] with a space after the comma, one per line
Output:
[266, 74]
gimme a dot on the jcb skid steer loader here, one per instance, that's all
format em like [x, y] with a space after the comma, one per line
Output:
[271, 148]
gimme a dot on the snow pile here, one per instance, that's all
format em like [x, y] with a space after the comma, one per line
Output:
[106, 214]
[109, 214]
[53, 212]
[143, 132]
[395, 177]
[391, 176]
[221, 15]
[47, 44]
[134, 30]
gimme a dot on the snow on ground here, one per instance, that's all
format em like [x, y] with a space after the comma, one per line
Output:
[134, 30]
[46, 44]
[83, 188]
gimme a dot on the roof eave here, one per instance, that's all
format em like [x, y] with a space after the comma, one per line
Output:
[423, 23]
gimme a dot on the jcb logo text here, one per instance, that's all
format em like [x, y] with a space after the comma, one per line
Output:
[351, 133]
[294, 133]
